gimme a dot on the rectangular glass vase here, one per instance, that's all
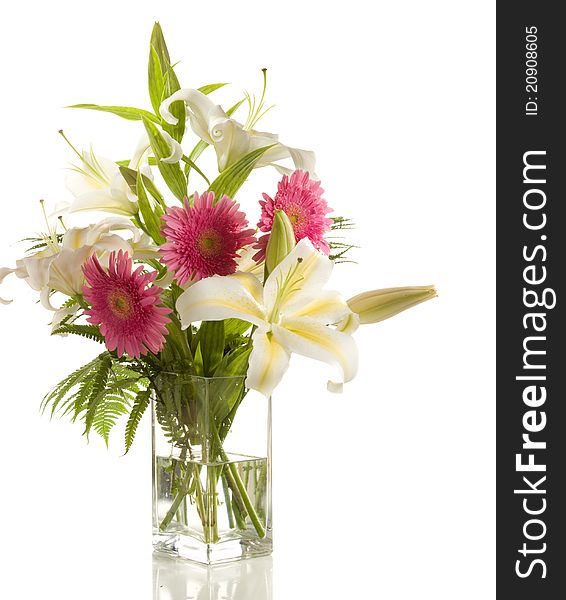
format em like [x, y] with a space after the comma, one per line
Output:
[211, 469]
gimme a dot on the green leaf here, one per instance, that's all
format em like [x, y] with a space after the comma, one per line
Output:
[211, 87]
[140, 405]
[96, 395]
[192, 165]
[107, 413]
[211, 340]
[232, 178]
[177, 109]
[151, 214]
[131, 177]
[58, 393]
[163, 82]
[126, 112]
[92, 332]
[198, 362]
[155, 80]
[225, 392]
[171, 173]
[234, 108]
[235, 327]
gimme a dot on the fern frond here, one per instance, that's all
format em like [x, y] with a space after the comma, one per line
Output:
[107, 412]
[140, 405]
[342, 223]
[98, 389]
[56, 395]
[92, 332]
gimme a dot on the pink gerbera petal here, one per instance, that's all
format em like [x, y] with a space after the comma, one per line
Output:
[300, 198]
[127, 311]
[204, 239]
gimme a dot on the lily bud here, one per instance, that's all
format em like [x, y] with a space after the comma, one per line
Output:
[281, 241]
[378, 305]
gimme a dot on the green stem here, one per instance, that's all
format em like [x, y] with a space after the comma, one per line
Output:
[211, 526]
[236, 479]
[181, 494]
[235, 476]
[228, 501]
[240, 520]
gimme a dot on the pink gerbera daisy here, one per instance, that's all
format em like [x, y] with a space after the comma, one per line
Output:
[204, 239]
[127, 311]
[300, 198]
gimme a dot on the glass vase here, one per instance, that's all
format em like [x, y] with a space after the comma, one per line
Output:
[211, 469]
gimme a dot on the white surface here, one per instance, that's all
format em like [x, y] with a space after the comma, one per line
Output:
[397, 101]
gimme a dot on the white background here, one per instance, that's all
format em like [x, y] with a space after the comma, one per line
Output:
[386, 491]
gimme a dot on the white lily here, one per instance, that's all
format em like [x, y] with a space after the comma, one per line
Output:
[58, 267]
[4, 272]
[232, 140]
[291, 314]
[97, 184]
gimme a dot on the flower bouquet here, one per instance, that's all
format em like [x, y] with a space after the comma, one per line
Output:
[198, 311]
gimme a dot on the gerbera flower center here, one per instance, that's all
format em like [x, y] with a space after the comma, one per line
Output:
[210, 243]
[296, 215]
[120, 304]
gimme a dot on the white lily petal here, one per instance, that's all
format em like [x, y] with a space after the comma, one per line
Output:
[139, 158]
[231, 142]
[201, 111]
[65, 273]
[327, 307]
[217, 298]
[61, 313]
[304, 160]
[105, 201]
[176, 149]
[35, 269]
[268, 363]
[349, 323]
[309, 338]
[297, 278]
[44, 298]
[4, 272]
[246, 263]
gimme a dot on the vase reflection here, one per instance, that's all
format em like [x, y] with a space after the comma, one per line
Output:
[174, 579]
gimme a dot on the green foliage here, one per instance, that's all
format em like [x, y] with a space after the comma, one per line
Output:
[232, 178]
[338, 249]
[97, 394]
[211, 87]
[162, 83]
[126, 112]
[150, 212]
[131, 178]
[140, 405]
[171, 173]
[92, 332]
[211, 340]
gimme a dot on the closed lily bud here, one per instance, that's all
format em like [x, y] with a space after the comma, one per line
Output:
[378, 305]
[281, 241]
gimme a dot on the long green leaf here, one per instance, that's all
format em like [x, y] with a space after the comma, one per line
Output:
[163, 82]
[211, 344]
[131, 177]
[151, 214]
[126, 112]
[211, 87]
[171, 173]
[232, 178]
[155, 80]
